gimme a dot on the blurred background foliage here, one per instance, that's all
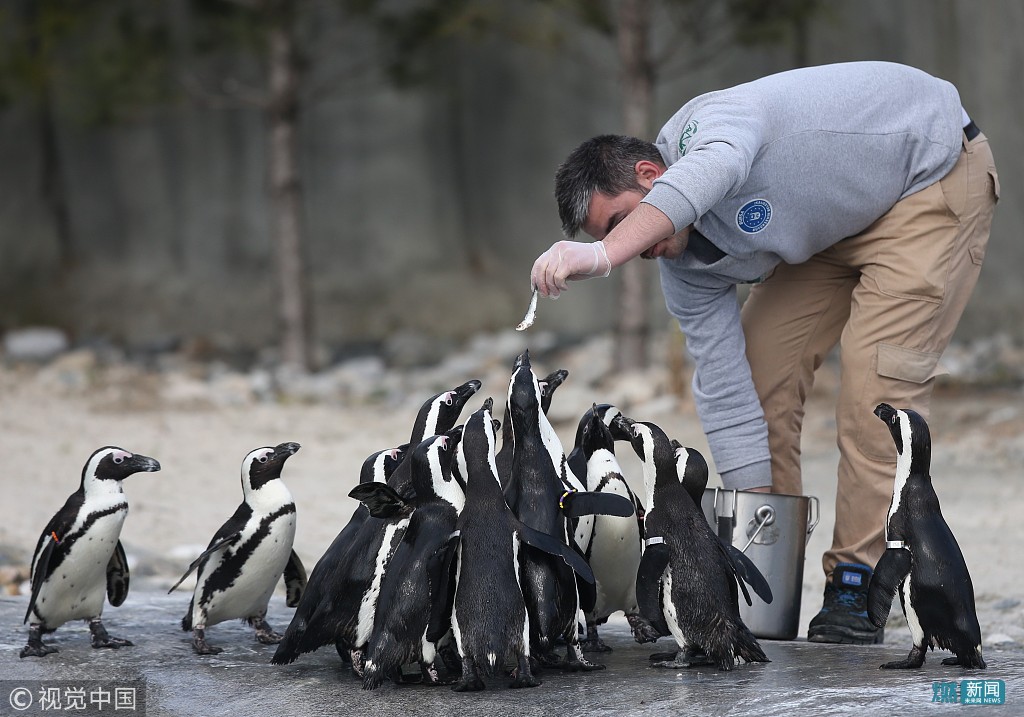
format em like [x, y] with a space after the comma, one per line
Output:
[312, 175]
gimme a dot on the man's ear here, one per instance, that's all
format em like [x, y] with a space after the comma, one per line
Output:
[647, 172]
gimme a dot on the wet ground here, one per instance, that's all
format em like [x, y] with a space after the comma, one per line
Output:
[803, 678]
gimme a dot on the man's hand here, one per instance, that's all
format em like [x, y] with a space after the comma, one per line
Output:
[568, 261]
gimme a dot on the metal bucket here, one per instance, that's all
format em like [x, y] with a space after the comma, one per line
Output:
[772, 530]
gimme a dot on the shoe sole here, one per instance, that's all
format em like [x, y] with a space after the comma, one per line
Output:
[845, 636]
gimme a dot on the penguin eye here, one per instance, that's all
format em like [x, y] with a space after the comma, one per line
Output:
[263, 459]
[448, 400]
[118, 459]
[893, 419]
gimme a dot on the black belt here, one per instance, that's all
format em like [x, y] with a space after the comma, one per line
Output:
[971, 131]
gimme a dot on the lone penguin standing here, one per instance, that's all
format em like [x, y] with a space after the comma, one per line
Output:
[245, 559]
[922, 559]
[79, 555]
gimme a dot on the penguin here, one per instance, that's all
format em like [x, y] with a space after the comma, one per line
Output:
[548, 385]
[686, 584]
[490, 619]
[376, 468]
[79, 556]
[537, 494]
[615, 544]
[248, 555]
[437, 415]
[922, 559]
[411, 582]
[340, 610]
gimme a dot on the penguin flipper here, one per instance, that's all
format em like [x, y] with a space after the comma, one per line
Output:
[117, 576]
[554, 546]
[577, 462]
[214, 547]
[441, 572]
[648, 585]
[381, 500]
[577, 503]
[748, 573]
[892, 568]
[294, 580]
[41, 572]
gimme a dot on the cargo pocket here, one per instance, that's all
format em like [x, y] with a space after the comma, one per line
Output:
[905, 364]
[893, 365]
[978, 249]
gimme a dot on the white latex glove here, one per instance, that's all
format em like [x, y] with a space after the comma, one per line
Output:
[568, 261]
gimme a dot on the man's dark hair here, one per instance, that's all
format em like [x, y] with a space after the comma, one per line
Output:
[605, 164]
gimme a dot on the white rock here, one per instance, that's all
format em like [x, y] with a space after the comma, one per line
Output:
[36, 343]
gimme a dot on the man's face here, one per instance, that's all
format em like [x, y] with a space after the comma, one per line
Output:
[607, 211]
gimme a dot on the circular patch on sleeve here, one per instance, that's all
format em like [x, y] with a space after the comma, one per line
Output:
[754, 216]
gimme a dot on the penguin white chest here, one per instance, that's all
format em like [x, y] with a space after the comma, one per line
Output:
[77, 587]
[258, 575]
[670, 609]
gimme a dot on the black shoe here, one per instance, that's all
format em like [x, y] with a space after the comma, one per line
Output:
[844, 616]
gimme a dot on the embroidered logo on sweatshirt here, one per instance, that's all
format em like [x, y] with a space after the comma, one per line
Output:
[688, 131]
[754, 216]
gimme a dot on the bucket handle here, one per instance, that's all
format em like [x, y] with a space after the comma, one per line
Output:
[813, 516]
[765, 515]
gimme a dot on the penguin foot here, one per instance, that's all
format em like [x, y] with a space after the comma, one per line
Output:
[681, 660]
[914, 660]
[358, 663]
[642, 630]
[595, 644]
[523, 676]
[473, 685]
[546, 659]
[265, 634]
[200, 646]
[344, 653]
[968, 662]
[432, 677]
[268, 638]
[470, 680]
[100, 637]
[576, 662]
[36, 647]
[112, 642]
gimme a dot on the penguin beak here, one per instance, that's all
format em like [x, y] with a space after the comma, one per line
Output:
[144, 464]
[285, 450]
[622, 428]
[885, 411]
[463, 392]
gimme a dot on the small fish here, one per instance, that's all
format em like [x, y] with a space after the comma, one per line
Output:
[531, 314]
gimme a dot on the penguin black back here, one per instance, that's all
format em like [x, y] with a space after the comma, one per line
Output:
[922, 560]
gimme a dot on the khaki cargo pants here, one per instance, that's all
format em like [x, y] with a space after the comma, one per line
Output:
[891, 296]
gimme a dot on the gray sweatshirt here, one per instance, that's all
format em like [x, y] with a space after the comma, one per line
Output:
[774, 171]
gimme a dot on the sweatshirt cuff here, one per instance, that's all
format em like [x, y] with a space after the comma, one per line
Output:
[672, 204]
[755, 475]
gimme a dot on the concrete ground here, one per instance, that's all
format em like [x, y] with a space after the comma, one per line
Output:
[803, 678]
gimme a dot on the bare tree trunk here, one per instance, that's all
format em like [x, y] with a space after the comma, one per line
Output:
[286, 195]
[634, 40]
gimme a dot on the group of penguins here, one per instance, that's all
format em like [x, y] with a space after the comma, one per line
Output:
[466, 559]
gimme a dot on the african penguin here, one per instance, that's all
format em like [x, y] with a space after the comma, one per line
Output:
[489, 618]
[79, 556]
[410, 585]
[922, 559]
[686, 584]
[248, 555]
[534, 494]
[614, 549]
[548, 385]
[330, 612]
